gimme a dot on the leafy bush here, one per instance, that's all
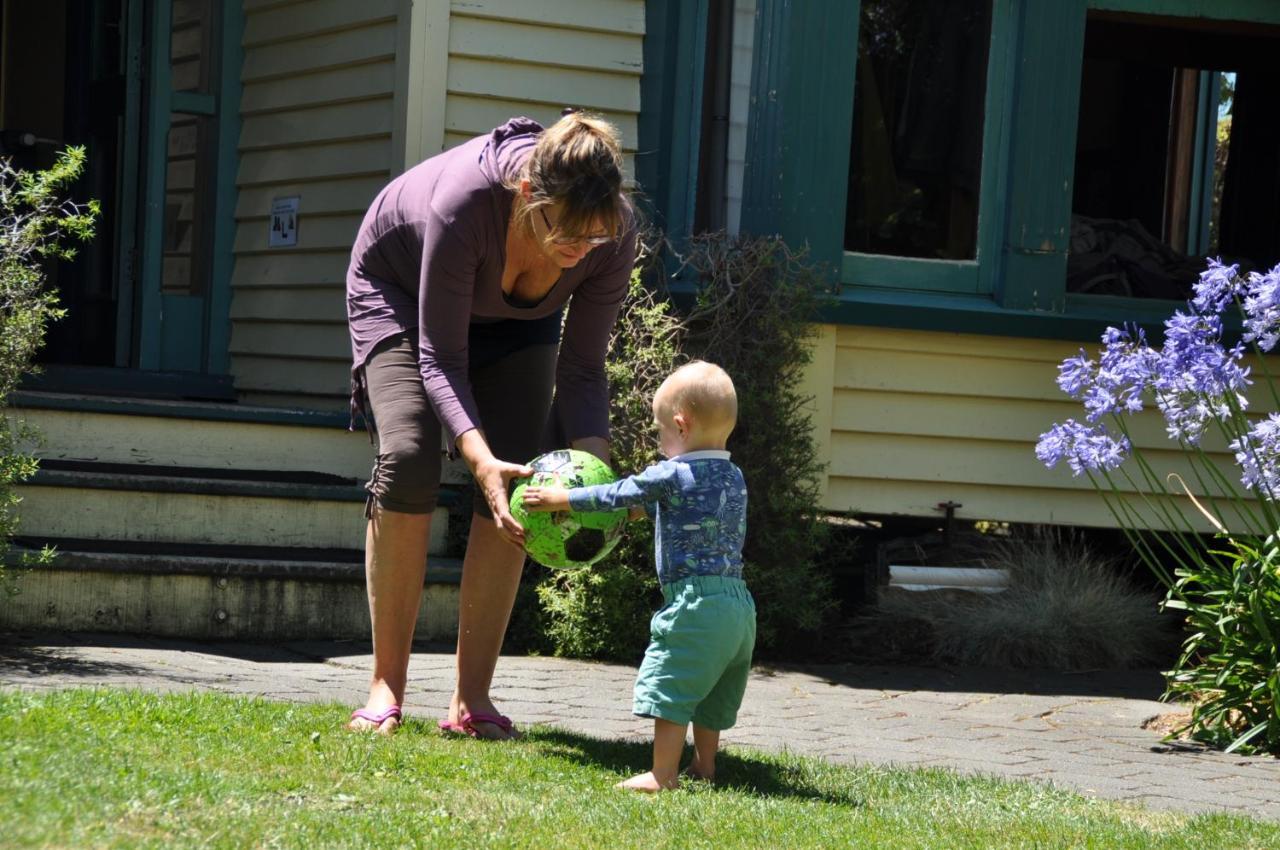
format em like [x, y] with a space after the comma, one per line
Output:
[603, 612]
[35, 223]
[754, 305]
[1065, 608]
[1230, 665]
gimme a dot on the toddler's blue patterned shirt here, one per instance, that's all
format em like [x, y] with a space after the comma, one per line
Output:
[698, 502]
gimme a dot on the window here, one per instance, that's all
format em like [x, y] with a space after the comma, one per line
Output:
[1176, 154]
[916, 155]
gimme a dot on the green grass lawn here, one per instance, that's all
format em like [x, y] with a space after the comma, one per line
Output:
[113, 768]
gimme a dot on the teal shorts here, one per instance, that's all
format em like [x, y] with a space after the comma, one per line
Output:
[699, 654]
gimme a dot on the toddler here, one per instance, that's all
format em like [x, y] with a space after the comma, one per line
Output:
[695, 669]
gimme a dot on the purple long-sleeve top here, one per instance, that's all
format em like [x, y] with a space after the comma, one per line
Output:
[430, 255]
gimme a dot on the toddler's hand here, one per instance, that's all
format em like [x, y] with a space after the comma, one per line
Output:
[549, 498]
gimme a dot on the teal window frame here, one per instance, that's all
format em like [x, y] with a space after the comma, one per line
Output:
[1016, 285]
[976, 276]
[213, 316]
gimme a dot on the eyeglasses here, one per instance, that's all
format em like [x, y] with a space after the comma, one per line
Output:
[593, 241]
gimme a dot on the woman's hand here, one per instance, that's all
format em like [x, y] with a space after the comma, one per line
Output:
[548, 498]
[493, 477]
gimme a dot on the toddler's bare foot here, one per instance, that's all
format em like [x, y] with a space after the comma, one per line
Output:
[648, 783]
[695, 772]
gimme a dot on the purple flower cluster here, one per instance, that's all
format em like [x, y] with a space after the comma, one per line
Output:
[1258, 296]
[1258, 453]
[1194, 379]
[1262, 309]
[1082, 447]
[1197, 379]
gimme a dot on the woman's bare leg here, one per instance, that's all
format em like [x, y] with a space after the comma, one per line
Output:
[490, 578]
[395, 567]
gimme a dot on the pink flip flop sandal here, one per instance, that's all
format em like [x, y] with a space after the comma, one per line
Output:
[376, 718]
[466, 725]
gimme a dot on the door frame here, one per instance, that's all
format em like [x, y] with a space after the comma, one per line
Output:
[151, 308]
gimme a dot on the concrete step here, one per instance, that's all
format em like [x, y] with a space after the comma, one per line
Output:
[210, 592]
[145, 503]
[208, 435]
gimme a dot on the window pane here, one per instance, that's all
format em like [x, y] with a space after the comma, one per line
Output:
[916, 159]
[190, 47]
[188, 195]
[1176, 153]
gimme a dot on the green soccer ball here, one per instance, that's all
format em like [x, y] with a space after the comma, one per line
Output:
[566, 540]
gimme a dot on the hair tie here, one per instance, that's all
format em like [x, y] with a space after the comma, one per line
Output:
[568, 110]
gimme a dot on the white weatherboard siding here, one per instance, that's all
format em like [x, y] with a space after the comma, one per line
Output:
[317, 122]
[909, 419]
[340, 96]
[534, 57]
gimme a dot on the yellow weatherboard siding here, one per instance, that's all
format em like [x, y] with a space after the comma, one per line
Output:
[340, 96]
[915, 418]
[534, 57]
[318, 123]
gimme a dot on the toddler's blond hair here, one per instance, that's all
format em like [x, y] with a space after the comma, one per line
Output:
[702, 391]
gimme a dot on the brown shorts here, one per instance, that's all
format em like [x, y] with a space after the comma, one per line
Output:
[513, 394]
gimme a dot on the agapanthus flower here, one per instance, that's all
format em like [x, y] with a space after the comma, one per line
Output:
[1258, 453]
[1083, 447]
[1075, 374]
[1218, 286]
[1197, 379]
[1262, 309]
[1126, 369]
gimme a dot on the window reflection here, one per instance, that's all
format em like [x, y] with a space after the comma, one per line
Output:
[916, 156]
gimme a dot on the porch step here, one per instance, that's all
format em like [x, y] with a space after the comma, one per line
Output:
[153, 432]
[189, 505]
[209, 592]
[208, 435]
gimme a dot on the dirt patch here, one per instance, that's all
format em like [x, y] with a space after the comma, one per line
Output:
[1165, 724]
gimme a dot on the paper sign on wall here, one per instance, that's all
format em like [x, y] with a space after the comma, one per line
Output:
[284, 222]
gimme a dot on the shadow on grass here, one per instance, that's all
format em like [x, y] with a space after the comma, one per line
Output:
[762, 776]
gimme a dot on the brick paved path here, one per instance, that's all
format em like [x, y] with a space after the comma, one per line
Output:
[1080, 731]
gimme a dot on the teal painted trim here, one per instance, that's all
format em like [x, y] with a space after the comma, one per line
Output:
[1203, 165]
[152, 230]
[201, 411]
[195, 103]
[182, 352]
[909, 273]
[136, 383]
[218, 333]
[686, 120]
[800, 124]
[126, 234]
[1041, 165]
[1115, 310]
[1257, 11]
[655, 109]
[155, 481]
[993, 202]
[975, 314]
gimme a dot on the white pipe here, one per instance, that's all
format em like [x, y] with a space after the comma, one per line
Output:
[967, 577]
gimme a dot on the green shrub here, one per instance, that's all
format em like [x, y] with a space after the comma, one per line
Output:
[756, 303]
[756, 299]
[603, 612]
[1230, 665]
[35, 223]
